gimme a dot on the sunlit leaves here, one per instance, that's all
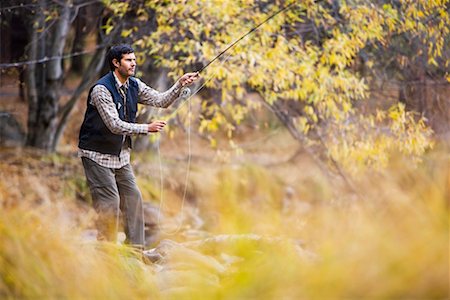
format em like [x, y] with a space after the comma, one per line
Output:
[306, 55]
[118, 8]
[429, 22]
[373, 138]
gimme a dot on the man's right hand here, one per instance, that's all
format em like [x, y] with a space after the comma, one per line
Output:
[156, 126]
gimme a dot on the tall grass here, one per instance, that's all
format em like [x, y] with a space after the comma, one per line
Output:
[390, 242]
[40, 259]
[311, 239]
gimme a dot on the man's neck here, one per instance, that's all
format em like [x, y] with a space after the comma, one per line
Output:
[121, 78]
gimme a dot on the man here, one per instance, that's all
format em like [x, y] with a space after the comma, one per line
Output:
[105, 143]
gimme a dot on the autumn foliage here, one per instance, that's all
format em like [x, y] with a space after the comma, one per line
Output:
[312, 161]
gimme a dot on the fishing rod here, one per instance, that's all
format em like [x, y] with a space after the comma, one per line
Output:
[186, 94]
[245, 35]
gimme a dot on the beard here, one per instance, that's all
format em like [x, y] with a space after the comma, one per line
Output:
[127, 72]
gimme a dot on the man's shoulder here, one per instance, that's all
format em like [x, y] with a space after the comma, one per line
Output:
[103, 83]
[105, 79]
[99, 91]
[99, 87]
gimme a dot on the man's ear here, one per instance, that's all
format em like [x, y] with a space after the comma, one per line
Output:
[115, 62]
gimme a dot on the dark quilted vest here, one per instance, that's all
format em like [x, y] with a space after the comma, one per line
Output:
[94, 135]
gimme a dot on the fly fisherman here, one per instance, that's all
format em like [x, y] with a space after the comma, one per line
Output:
[105, 142]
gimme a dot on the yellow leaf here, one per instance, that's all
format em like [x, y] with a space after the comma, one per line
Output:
[213, 142]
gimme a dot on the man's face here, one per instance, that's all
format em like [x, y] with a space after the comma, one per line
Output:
[127, 65]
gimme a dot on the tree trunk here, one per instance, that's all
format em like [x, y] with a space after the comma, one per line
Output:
[97, 65]
[318, 155]
[78, 45]
[84, 24]
[89, 77]
[34, 74]
[45, 79]
[429, 98]
[42, 130]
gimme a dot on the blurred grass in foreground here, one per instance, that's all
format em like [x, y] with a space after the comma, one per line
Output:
[391, 242]
[39, 259]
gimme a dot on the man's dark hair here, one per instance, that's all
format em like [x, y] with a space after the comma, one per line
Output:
[117, 51]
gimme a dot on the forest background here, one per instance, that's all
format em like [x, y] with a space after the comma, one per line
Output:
[312, 160]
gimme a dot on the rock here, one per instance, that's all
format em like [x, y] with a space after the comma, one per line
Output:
[151, 256]
[11, 133]
[151, 218]
[177, 254]
[196, 269]
[158, 226]
[89, 235]
[151, 214]
[186, 273]
[291, 204]
[195, 259]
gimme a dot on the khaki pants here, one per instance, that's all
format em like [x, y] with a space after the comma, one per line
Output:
[114, 191]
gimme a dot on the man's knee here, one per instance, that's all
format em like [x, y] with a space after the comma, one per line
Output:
[130, 190]
[105, 199]
[135, 198]
[137, 193]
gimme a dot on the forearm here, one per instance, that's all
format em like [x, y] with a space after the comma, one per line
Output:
[117, 126]
[150, 96]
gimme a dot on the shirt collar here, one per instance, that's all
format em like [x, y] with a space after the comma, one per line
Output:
[118, 83]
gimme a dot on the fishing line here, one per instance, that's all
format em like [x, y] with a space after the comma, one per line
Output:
[186, 99]
[253, 29]
[186, 92]
[245, 35]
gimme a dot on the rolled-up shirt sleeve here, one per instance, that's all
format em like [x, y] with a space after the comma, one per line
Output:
[152, 97]
[102, 100]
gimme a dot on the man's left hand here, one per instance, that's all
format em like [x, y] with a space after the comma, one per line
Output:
[189, 78]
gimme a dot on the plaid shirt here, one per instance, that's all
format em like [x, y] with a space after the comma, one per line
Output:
[101, 98]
